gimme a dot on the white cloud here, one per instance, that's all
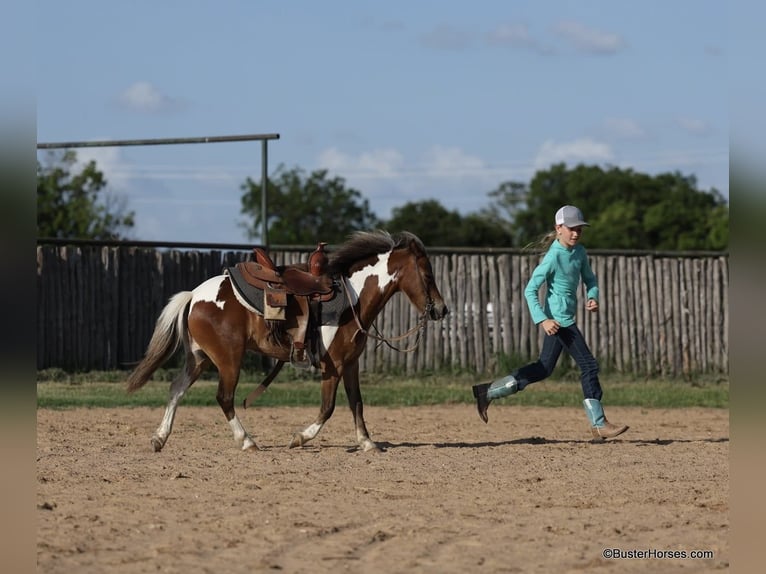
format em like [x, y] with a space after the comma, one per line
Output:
[625, 128]
[440, 161]
[109, 161]
[515, 36]
[695, 127]
[388, 179]
[583, 150]
[512, 34]
[380, 163]
[145, 97]
[588, 39]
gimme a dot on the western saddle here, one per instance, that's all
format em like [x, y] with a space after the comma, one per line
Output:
[308, 283]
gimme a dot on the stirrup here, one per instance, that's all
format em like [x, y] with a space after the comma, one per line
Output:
[299, 358]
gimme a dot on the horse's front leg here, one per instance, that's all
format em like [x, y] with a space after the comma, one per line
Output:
[354, 394]
[329, 389]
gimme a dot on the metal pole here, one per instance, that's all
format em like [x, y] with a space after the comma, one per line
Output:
[170, 141]
[264, 212]
[158, 141]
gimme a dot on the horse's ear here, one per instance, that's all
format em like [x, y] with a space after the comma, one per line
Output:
[416, 245]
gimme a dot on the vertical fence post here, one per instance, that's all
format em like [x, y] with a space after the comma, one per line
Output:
[264, 203]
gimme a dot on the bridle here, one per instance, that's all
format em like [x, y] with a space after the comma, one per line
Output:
[419, 327]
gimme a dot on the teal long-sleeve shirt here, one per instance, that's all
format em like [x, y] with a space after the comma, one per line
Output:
[561, 270]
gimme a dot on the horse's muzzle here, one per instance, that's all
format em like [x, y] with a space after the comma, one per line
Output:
[437, 311]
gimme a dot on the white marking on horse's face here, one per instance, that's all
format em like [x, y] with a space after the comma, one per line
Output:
[208, 291]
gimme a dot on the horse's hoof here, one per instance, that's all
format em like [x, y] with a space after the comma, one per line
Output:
[298, 440]
[251, 448]
[157, 444]
[371, 447]
[248, 443]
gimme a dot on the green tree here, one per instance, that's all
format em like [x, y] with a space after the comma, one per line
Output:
[437, 226]
[626, 210]
[71, 205]
[478, 230]
[303, 210]
[686, 219]
[433, 223]
[506, 202]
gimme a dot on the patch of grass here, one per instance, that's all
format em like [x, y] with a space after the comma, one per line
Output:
[297, 389]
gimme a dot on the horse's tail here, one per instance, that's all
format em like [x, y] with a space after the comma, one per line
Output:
[165, 340]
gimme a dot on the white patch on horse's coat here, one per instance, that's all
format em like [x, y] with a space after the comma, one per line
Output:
[327, 334]
[379, 269]
[311, 431]
[240, 435]
[208, 291]
[355, 284]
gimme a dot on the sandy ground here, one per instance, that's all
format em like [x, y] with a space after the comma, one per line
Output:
[529, 492]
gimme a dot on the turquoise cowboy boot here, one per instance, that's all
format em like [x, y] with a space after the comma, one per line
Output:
[601, 428]
[486, 392]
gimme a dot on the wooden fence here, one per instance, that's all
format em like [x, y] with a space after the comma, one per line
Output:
[660, 314]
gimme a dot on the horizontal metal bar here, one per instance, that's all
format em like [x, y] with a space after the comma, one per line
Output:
[160, 141]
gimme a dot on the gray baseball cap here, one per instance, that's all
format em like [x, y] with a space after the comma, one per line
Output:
[570, 216]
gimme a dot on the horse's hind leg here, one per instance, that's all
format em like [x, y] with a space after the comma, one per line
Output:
[354, 394]
[189, 373]
[227, 384]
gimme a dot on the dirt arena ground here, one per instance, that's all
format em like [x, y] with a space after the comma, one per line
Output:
[529, 492]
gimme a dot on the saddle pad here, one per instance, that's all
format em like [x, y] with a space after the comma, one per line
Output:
[249, 293]
[330, 311]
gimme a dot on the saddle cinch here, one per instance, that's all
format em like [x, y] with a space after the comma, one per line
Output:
[309, 288]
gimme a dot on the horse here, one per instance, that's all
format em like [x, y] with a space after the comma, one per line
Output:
[216, 326]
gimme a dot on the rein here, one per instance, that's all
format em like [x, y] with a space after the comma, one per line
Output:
[377, 336]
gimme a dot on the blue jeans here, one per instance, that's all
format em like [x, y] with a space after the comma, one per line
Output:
[571, 339]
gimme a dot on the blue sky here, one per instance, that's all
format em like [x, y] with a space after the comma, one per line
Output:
[406, 100]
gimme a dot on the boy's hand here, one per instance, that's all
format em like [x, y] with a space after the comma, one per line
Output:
[591, 305]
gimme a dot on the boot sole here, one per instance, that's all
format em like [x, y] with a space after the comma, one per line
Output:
[597, 437]
[482, 404]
